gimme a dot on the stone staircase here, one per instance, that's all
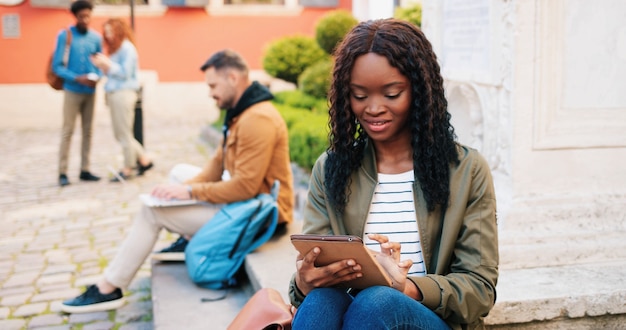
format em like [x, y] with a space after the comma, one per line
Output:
[552, 295]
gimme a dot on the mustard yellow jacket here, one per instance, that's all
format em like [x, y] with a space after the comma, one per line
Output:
[257, 153]
[460, 248]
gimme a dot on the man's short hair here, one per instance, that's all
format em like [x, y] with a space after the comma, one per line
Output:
[225, 59]
[79, 5]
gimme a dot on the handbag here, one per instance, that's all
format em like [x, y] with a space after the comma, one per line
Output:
[266, 310]
[52, 78]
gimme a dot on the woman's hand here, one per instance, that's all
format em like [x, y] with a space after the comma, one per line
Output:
[309, 277]
[389, 259]
[101, 61]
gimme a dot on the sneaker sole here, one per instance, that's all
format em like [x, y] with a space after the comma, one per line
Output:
[168, 256]
[100, 307]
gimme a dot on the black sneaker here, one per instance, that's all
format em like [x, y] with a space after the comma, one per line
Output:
[63, 181]
[87, 176]
[142, 169]
[174, 252]
[93, 301]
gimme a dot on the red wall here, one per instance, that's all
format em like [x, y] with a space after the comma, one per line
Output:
[175, 44]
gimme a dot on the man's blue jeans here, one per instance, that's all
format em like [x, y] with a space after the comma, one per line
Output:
[376, 307]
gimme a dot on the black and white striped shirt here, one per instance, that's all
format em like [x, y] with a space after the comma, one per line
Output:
[392, 214]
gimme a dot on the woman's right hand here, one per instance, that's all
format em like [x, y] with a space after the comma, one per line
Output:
[309, 277]
[101, 61]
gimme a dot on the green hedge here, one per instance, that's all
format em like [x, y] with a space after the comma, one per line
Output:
[299, 99]
[411, 13]
[315, 80]
[308, 134]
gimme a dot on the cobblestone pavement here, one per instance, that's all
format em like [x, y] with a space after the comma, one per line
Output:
[53, 240]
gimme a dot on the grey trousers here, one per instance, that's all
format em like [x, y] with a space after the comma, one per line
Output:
[144, 232]
[75, 104]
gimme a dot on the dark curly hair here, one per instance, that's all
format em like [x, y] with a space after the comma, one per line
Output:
[434, 150]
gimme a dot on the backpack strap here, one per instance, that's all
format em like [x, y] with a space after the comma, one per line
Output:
[66, 51]
[274, 190]
[269, 229]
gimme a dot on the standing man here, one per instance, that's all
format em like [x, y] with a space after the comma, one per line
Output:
[80, 77]
[254, 153]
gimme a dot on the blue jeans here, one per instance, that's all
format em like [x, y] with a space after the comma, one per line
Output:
[376, 307]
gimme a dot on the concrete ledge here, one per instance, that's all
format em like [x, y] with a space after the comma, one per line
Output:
[272, 265]
[177, 302]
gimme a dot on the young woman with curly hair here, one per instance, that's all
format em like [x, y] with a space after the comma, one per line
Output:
[121, 68]
[394, 175]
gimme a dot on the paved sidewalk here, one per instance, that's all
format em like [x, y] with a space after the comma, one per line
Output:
[54, 240]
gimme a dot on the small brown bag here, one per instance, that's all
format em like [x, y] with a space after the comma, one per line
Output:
[53, 80]
[266, 310]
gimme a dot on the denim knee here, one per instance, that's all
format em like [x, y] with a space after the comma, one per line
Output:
[323, 308]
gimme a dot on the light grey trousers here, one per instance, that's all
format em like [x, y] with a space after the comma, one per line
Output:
[122, 106]
[144, 232]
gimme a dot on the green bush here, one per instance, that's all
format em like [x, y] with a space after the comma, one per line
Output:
[412, 13]
[315, 80]
[308, 134]
[332, 27]
[287, 57]
[299, 99]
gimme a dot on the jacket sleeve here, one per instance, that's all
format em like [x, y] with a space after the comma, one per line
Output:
[316, 218]
[465, 291]
[57, 60]
[254, 144]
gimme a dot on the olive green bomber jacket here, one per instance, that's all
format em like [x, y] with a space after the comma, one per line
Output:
[460, 254]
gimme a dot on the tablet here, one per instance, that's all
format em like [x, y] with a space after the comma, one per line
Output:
[340, 247]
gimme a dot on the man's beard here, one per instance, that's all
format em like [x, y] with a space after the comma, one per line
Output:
[227, 104]
[81, 29]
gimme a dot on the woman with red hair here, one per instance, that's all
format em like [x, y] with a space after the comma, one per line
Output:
[121, 68]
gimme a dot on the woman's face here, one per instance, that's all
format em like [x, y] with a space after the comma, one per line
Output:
[108, 33]
[380, 97]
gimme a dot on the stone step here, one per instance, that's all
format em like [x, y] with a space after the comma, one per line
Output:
[563, 248]
[177, 302]
[584, 296]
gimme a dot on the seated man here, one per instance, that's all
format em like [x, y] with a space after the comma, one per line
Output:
[254, 153]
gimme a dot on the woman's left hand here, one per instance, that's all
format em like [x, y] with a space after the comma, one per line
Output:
[389, 259]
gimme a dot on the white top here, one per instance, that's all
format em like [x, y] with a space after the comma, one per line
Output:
[392, 213]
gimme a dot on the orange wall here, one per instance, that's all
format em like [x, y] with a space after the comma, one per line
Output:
[175, 44]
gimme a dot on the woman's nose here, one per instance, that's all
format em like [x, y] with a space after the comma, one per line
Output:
[375, 108]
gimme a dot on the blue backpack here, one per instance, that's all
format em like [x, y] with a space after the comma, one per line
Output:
[216, 252]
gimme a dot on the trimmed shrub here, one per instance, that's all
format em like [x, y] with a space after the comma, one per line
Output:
[332, 27]
[287, 57]
[412, 14]
[315, 80]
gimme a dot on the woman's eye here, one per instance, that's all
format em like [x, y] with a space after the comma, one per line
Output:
[394, 96]
[359, 97]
